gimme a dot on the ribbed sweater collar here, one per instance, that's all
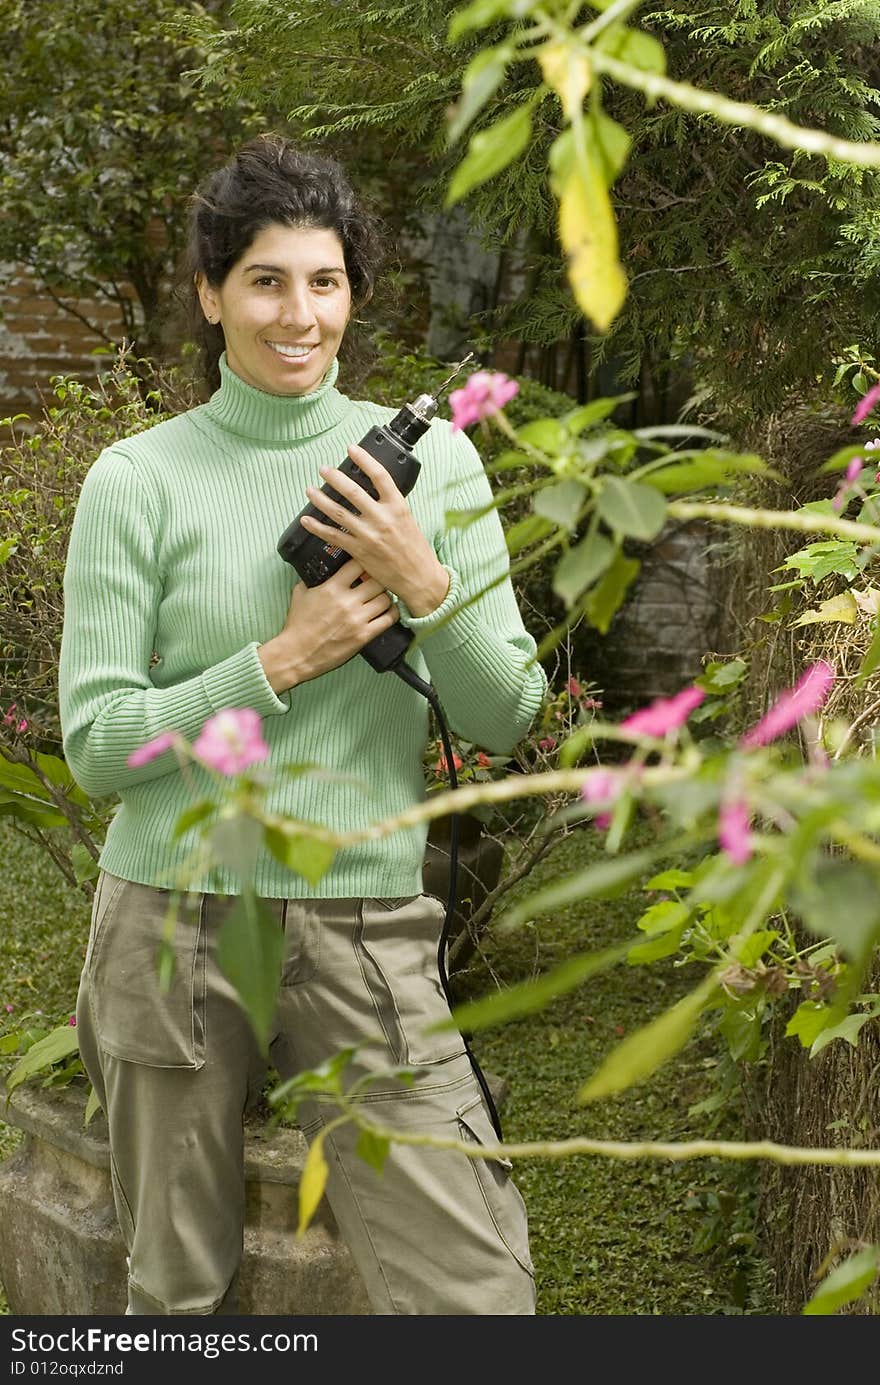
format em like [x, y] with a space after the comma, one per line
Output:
[280, 418]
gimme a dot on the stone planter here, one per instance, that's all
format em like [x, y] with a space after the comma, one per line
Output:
[61, 1251]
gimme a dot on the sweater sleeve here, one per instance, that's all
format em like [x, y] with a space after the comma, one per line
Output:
[112, 592]
[478, 652]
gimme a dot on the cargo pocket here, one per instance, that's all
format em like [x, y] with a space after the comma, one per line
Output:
[501, 1195]
[136, 1019]
[396, 943]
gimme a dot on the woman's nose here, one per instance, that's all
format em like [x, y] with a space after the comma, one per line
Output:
[297, 309]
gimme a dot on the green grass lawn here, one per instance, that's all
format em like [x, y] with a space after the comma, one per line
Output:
[607, 1237]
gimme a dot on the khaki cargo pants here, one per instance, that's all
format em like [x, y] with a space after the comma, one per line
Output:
[435, 1233]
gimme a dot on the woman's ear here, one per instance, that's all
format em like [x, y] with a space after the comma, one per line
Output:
[207, 298]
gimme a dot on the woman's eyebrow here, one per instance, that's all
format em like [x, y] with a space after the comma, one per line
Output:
[278, 269]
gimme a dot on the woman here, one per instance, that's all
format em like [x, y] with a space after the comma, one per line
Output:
[177, 605]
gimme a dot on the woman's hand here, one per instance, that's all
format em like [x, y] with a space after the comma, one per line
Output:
[383, 535]
[326, 625]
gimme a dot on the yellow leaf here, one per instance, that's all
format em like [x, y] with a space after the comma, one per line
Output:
[312, 1183]
[841, 608]
[568, 72]
[588, 233]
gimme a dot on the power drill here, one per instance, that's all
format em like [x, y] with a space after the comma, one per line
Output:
[315, 560]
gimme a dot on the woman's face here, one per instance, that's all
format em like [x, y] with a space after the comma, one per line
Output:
[284, 307]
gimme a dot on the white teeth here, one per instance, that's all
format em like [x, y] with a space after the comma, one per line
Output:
[293, 352]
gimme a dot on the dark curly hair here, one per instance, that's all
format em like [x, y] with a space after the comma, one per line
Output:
[269, 180]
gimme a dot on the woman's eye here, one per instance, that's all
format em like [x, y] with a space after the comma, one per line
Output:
[323, 280]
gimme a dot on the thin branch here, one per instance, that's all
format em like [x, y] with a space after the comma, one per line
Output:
[781, 130]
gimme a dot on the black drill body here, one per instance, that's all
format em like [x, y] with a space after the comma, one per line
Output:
[315, 560]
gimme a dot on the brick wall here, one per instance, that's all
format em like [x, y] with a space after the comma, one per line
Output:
[672, 619]
[39, 339]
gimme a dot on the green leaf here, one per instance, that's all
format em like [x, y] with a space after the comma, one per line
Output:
[490, 151]
[611, 142]
[527, 531]
[250, 951]
[547, 434]
[85, 867]
[840, 900]
[642, 1053]
[810, 1018]
[93, 1106]
[848, 1029]
[57, 1044]
[312, 1182]
[187, 819]
[754, 947]
[662, 945]
[673, 879]
[630, 508]
[482, 78]
[872, 659]
[306, 855]
[710, 469]
[721, 677]
[740, 1026]
[594, 412]
[846, 1283]
[841, 460]
[604, 601]
[560, 502]
[660, 917]
[526, 997]
[602, 880]
[373, 1148]
[634, 47]
[581, 566]
[236, 842]
[819, 560]
[481, 13]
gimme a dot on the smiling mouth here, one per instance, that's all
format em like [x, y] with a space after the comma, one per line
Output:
[291, 353]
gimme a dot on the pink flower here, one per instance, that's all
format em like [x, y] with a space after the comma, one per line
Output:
[664, 714]
[151, 749]
[733, 830]
[591, 703]
[10, 715]
[547, 743]
[9, 1009]
[442, 765]
[231, 740]
[792, 706]
[483, 759]
[573, 687]
[22, 726]
[853, 472]
[601, 786]
[72, 1021]
[866, 404]
[485, 393]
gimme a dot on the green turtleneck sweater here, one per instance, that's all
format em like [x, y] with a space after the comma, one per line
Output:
[173, 581]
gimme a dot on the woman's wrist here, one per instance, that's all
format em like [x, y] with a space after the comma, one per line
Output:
[430, 593]
[280, 675]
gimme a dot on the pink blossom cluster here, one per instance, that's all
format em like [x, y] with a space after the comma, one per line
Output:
[11, 718]
[485, 393]
[228, 742]
[603, 786]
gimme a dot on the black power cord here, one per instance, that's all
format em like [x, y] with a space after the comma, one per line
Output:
[404, 671]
